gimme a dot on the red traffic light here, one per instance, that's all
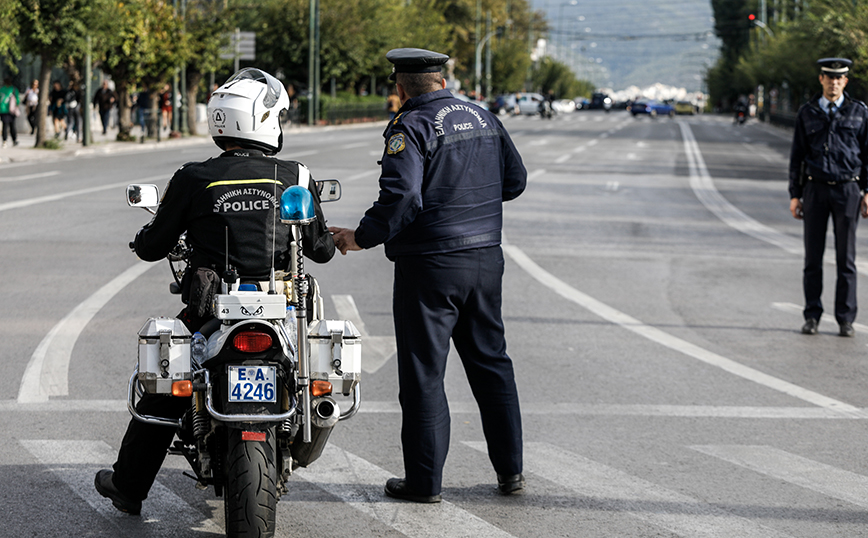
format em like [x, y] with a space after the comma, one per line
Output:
[751, 17]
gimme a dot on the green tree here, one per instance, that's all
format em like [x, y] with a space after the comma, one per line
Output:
[9, 31]
[207, 25]
[54, 30]
[144, 49]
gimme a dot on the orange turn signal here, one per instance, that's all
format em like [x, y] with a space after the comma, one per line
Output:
[182, 388]
[320, 388]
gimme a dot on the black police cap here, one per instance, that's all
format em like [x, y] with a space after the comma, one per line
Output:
[834, 66]
[415, 61]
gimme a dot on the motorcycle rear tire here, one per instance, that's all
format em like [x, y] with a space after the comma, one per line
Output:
[251, 486]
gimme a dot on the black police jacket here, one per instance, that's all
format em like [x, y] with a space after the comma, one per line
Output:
[833, 149]
[447, 168]
[234, 193]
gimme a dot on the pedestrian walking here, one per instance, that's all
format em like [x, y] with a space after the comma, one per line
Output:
[829, 178]
[9, 112]
[31, 102]
[104, 99]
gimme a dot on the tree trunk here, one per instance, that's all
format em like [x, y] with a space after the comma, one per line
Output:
[154, 121]
[44, 93]
[193, 80]
[125, 124]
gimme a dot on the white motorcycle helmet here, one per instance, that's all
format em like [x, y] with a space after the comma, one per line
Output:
[246, 111]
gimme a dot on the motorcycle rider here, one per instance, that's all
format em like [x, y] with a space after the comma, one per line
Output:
[230, 198]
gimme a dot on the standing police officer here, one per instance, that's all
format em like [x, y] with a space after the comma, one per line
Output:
[447, 169]
[829, 176]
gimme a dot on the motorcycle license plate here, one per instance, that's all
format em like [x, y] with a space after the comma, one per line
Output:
[252, 383]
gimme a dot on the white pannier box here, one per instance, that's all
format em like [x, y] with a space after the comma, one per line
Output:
[250, 305]
[335, 353]
[164, 354]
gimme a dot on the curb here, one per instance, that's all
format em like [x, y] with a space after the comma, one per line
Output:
[25, 152]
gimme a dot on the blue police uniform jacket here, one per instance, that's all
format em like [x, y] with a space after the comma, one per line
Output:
[833, 149]
[447, 168]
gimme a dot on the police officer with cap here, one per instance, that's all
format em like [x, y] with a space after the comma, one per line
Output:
[447, 168]
[829, 177]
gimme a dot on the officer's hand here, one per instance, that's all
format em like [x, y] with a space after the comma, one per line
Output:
[796, 208]
[344, 238]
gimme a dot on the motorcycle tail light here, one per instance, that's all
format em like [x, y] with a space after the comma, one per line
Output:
[320, 388]
[182, 388]
[251, 342]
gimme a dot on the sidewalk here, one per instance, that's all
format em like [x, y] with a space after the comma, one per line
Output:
[106, 144]
[101, 144]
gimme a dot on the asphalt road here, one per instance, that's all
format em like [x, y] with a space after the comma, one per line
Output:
[652, 299]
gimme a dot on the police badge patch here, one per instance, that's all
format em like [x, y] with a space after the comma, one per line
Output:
[396, 144]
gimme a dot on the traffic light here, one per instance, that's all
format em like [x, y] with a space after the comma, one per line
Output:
[751, 17]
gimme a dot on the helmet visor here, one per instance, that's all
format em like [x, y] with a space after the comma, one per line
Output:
[273, 86]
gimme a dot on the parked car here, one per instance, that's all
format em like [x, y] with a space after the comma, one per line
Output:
[503, 104]
[461, 97]
[685, 107]
[652, 108]
[564, 105]
[528, 103]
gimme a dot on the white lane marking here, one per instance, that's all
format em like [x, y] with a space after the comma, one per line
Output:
[535, 174]
[376, 350]
[612, 186]
[359, 483]
[361, 175]
[764, 154]
[707, 193]
[815, 476]
[356, 145]
[30, 176]
[69, 194]
[562, 159]
[47, 371]
[637, 497]
[164, 514]
[540, 142]
[592, 143]
[796, 309]
[467, 407]
[672, 342]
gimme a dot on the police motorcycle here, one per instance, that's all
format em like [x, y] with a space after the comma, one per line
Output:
[268, 379]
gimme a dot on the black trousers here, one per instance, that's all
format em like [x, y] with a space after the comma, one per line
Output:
[457, 296]
[9, 127]
[144, 446]
[841, 202]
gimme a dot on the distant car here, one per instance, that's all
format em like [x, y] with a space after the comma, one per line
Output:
[581, 103]
[600, 101]
[503, 104]
[461, 97]
[652, 108]
[564, 105]
[685, 107]
[528, 103]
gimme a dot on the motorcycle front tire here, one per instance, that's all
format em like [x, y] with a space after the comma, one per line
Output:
[250, 501]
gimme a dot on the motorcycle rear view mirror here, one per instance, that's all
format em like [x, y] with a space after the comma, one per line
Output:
[146, 196]
[329, 190]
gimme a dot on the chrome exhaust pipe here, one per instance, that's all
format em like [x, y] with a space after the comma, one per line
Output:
[325, 413]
